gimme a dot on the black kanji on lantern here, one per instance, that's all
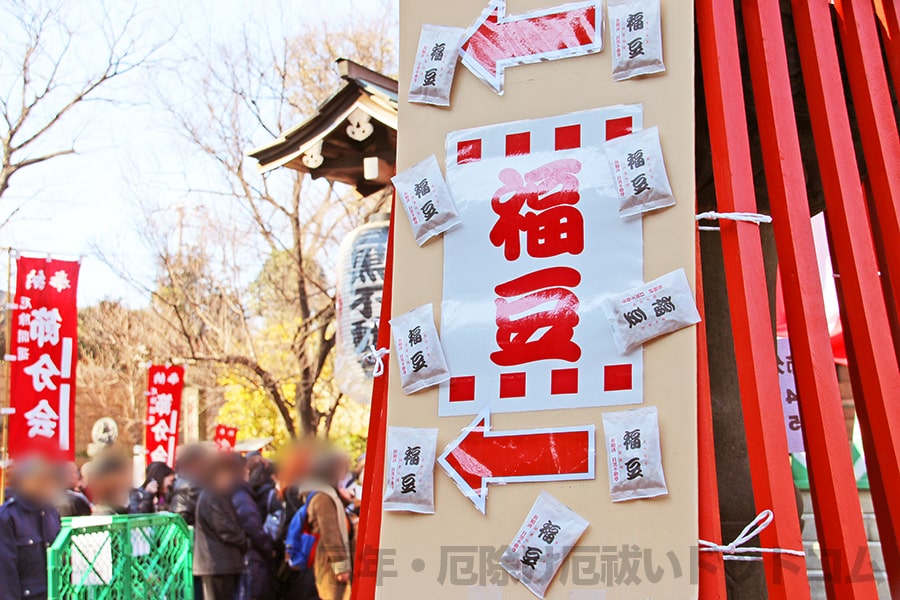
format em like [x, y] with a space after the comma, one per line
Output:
[634, 468]
[408, 484]
[532, 556]
[418, 361]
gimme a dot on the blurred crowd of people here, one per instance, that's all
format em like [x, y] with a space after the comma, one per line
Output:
[262, 529]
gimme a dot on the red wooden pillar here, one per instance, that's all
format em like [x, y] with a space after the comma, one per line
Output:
[839, 523]
[711, 564]
[877, 126]
[773, 485]
[877, 385]
[889, 18]
[368, 538]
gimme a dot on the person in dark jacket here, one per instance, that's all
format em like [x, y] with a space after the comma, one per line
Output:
[219, 540]
[190, 467]
[151, 497]
[72, 502]
[262, 485]
[256, 582]
[28, 525]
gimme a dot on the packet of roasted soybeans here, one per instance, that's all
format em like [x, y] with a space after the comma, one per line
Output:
[548, 534]
[636, 33]
[418, 349]
[639, 172]
[427, 199]
[632, 447]
[436, 56]
[410, 471]
[656, 308]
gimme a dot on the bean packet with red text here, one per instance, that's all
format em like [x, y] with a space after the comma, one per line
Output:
[419, 353]
[436, 55]
[639, 172]
[549, 533]
[411, 453]
[636, 33]
[427, 200]
[648, 311]
[632, 449]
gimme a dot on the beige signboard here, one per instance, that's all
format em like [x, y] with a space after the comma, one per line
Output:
[633, 549]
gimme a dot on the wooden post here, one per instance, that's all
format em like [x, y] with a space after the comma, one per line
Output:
[746, 282]
[864, 311]
[842, 534]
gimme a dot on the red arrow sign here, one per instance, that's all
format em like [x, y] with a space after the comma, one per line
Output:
[496, 41]
[479, 456]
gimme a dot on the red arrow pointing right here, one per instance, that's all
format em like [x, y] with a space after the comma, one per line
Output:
[479, 456]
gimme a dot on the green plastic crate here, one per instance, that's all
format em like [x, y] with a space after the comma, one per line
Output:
[122, 557]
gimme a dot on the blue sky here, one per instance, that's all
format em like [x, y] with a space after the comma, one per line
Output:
[73, 206]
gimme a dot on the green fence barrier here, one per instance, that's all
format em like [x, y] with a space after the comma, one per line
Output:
[123, 557]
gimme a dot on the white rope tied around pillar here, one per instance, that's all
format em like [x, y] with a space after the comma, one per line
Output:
[736, 549]
[376, 357]
[731, 216]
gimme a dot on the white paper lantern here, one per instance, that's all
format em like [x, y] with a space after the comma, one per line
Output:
[360, 282]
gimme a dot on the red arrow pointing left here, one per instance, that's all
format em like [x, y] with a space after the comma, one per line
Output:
[496, 41]
[480, 456]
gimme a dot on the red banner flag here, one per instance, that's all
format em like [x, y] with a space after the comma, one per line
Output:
[226, 437]
[164, 385]
[43, 353]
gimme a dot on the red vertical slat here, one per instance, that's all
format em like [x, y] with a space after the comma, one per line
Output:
[745, 275]
[712, 565]
[839, 520]
[889, 18]
[878, 127]
[865, 312]
[368, 539]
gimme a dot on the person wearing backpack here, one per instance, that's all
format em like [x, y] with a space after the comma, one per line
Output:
[256, 581]
[325, 535]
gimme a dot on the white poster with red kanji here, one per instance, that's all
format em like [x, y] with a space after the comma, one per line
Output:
[43, 353]
[541, 242]
[164, 387]
[225, 437]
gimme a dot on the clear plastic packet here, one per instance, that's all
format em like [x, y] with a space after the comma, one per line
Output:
[418, 349]
[648, 311]
[639, 172]
[411, 453]
[632, 447]
[549, 533]
[427, 199]
[636, 33]
[436, 55]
